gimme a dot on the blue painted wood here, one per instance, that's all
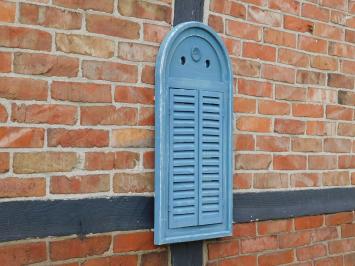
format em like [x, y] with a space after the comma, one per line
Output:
[193, 175]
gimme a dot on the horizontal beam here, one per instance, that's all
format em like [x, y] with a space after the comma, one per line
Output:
[29, 219]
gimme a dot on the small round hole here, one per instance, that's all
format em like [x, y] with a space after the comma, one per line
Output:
[208, 63]
[183, 60]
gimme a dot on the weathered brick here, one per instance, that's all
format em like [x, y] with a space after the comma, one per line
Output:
[284, 92]
[258, 244]
[346, 162]
[315, 12]
[49, 114]
[272, 143]
[305, 180]
[311, 252]
[339, 112]
[289, 126]
[307, 110]
[146, 116]
[222, 249]
[140, 9]
[346, 129]
[148, 75]
[337, 145]
[81, 92]
[244, 142]
[121, 260]
[21, 137]
[270, 180]
[257, 51]
[298, 24]
[5, 61]
[342, 246]
[12, 187]
[306, 145]
[254, 88]
[7, 11]
[289, 162]
[77, 248]
[252, 161]
[295, 239]
[329, 32]
[44, 162]
[110, 71]
[112, 26]
[339, 218]
[4, 162]
[346, 98]
[102, 5]
[137, 52]
[23, 89]
[255, 124]
[25, 38]
[276, 258]
[320, 162]
[135, 241]
[86, 45]
[246, 67]
[336, 179]
[263, 16]
[47, 65]
[132, 138]
[291, 57]
[22, 254]
[79, 184]
[310, 77]
[244, 105]
[108, 115]
[279, 37]
[324, 63]
[49, 17]
[77, 137]
[242, 181]
[309, 222]
[155, 259]
[340, 81]
[278, 73]
[154, 33]
[243, 30]
[3, 114]
[321, 95]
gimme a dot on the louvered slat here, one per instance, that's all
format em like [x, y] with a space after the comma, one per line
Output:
[183, 156]
[210, 157]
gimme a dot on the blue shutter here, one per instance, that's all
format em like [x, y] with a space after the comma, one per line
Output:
[183, 196]
[210, 157]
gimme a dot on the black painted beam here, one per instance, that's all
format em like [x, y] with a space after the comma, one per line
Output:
[189, 253]
[188, 10]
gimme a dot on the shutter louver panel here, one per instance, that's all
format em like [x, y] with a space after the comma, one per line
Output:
[183, 156]
[210, 157]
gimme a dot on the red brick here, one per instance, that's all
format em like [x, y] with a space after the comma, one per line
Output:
[310, 77]
[348, 67]
[298, 24]
[338, 17]
[333, 261]
[228, 8]
[108, 115]
[139, 9]
[252, 161]
[346, 161]
[336, 4]
[137, 52]
[148, 160]
[284, 92]
[244, 230]
[290, 57]
[146, 116]
[223, 249]
[315, 12]
[290, 240]
[287, 6]
[48, 114]
[273, 108]
[23, 89]
[79, 184]
[346, 129]
[263, 16]
[12, 187]
[342, 246]
[312, 44]
[339, 218]
[243, 30]
[279, 37]
[244, 105]
[339, 112]
[133, 183]
[273, 144]
[134, 95]
[306, 145]
[5, 60]
[112, 26]
[21, 137]
[216, 22]
[81, 92]
[329, 32]
[244, 142]
[155, 259]
[272, 227]
[336, 179]
[46, 65]
[254, 88]
[246, 67]
[126, 160]
[103, 5]
[308, 222]
[110, 71]
[337, 145]
[233, 46]
[25, 38]
[340, 81]
[122, 260]
[263, 52]
[3, 114]
[241, 260]
[22, 254]
[305, 180]
[341, 50]
[325, 233]
[77, 248]
[148, 75]
[7, 11]
[322, 95]
[349, 259]
[4, 162]
[154, 33]
[82, 138]
[311, 252]
[135, 241]
[270, 180]
[350, 36]
[276, 258]
[307, 110]
[348, 230]
[111, 160]
[289, 126]
[278, 73]
[289, 162]
[242, 181]
[132, 138]
[258, 244]
[255, 124]
[49, 17]
[320, 162]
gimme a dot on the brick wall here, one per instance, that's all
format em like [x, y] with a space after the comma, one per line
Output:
[77, 119]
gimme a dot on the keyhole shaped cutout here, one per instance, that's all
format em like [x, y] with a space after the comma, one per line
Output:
[183, 60]
[207, 63]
